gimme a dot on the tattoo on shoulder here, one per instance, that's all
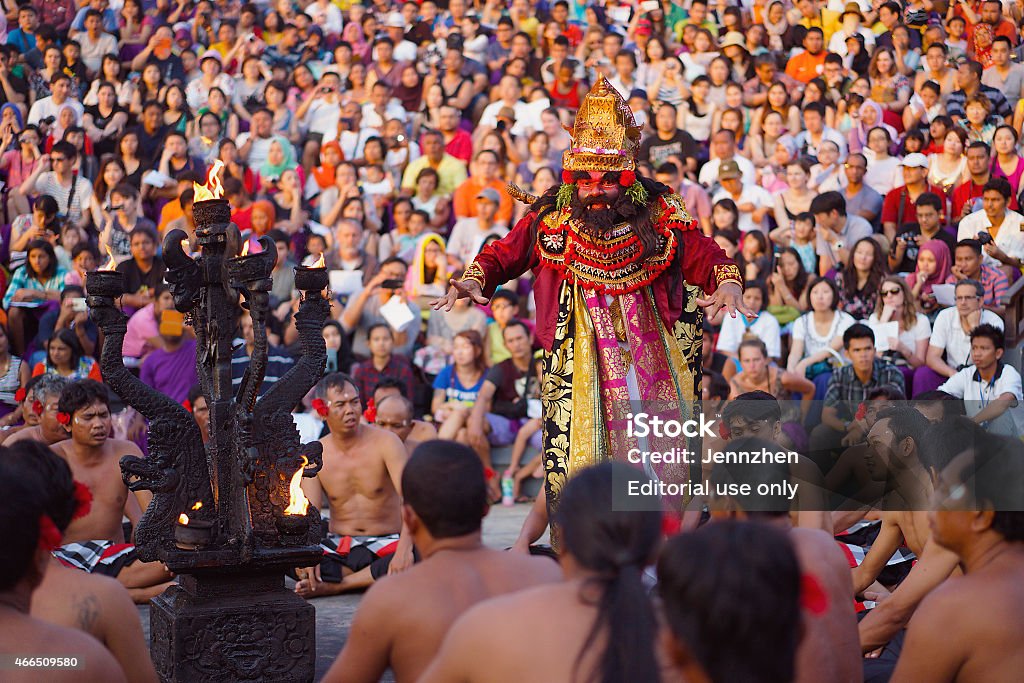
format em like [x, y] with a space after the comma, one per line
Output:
[87, 612]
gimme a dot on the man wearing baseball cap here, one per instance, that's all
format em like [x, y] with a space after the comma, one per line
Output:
[898, 209]
[469, 234]
[752, 200]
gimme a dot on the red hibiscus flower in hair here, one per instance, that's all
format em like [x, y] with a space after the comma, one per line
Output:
[488, 474]
[627, 178]
[371, 411]
[723, 430]
[64, 419]
[83, 500]
[49, 535]
[567, 176]
[187, 405]
[862, 410]
[37, 407]
[20, 394]
[320, 407]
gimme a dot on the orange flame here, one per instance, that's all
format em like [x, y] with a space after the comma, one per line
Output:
[297, 501]
[319, 262]
[186, 246]
[183, 519]
[245, 249]
[213, 188]
[112, 263]
[198, 505]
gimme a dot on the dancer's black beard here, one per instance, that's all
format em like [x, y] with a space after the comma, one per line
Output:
[601, 221]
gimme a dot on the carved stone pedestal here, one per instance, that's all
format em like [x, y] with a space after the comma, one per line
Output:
[240, 627]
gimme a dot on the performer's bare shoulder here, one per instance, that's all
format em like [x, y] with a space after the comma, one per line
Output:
[98, 468]
[100, 606]
[407, 615]
[25, 636]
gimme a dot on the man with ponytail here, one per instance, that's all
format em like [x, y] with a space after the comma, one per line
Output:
[622, 272]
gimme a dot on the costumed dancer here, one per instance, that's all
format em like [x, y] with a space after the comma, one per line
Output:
[621, 274]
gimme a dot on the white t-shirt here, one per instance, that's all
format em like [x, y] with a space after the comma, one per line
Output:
[883, 175]
[1009, 238]
[322, 117]
[803, 330]
[948, 334]
[467, 238]
[489, 119]
[922, 329]
[46, 107]
[751, 194]
[765, 326]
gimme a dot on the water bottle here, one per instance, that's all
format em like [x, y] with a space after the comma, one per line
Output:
[507, 484]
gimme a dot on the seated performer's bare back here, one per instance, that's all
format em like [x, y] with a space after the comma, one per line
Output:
[408, 615]
[99, 606]
[25, 636]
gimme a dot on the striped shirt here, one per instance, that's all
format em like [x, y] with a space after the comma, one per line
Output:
[278, 363]
[846, 392]
[993, 280]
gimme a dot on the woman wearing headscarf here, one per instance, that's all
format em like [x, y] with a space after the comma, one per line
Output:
[777, 27]
[870, 117]
[263, 217]
[427, 278]
[934, 266]
[280, 158]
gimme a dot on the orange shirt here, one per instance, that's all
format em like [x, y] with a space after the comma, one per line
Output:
[805, 66]
[465, 199]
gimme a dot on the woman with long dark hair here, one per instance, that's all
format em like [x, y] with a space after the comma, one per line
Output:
[788, 284]
[596, 626]
[457, 385]
[65, 357]
[36, 286]
[861, 277]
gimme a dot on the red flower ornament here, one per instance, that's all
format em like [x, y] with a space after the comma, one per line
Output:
[488, 474]
[320, 407]
[567, 176]
[64, 418]
[20, 394]
[37, 407]
[627, 178]
[187, 405]
[49, 535]
[862, 410]
[812, 596]
[83, 500]
[371, 411]
[723, 430]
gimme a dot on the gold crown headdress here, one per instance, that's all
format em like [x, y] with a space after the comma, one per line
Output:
[605, 136]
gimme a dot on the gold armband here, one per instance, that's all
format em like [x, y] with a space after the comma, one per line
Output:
[727, 272]
[475, 273]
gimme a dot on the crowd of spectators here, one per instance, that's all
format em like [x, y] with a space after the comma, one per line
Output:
[860, 160]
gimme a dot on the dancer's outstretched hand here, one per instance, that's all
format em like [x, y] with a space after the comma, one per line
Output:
[728, 296]
[460, 289]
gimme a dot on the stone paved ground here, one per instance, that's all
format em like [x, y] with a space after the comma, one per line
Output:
[334, 614]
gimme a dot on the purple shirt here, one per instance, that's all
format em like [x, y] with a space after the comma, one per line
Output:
[172, 373]
[142, 326]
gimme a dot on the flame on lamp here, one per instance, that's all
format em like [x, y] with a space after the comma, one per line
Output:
[186, 246]
[183, 519]
[111, 264]
[319, 262]
[212, 189]
[297, 501]
[198, 505]
[245, 249]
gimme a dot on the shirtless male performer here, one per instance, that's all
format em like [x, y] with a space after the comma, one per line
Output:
[23, 564]
[395, 413]
[402, 622]
[49, 431]
[970, 628]
[896, 453]
[830, 648]
[361, 478]
[95, 543]
[96, 604]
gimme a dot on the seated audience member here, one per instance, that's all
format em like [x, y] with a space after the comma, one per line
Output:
[502, 404]
[932, 268]
[32, 286]
[96, 543]
[144, 326]
[66, 317]
[383, 362]
[830, 648]
[997, 227]
[457, 385]
[361, 483]
[443, 327]
[968, 264]
[30, 537]
[171, 369]
[817, 336]
[836, 231]
[968, 628]
[363, 310]
[144, 271]
[914, 231]
[597, 540]
[764, 327]
[279, 361]
[95, 604]
[949, 349]
[65, 357]
[990, 388]
[761, 374]
[909, 348]
[504, 307]
[847, 389]
[731, 596]
[46, 394]
[396, 413]
[444, 500]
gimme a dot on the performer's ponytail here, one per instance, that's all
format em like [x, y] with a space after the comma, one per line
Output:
[616, 545]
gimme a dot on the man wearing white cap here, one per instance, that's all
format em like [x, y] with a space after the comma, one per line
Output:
[197, 92]
[898, 209]
[405, 50]
[468, 234]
